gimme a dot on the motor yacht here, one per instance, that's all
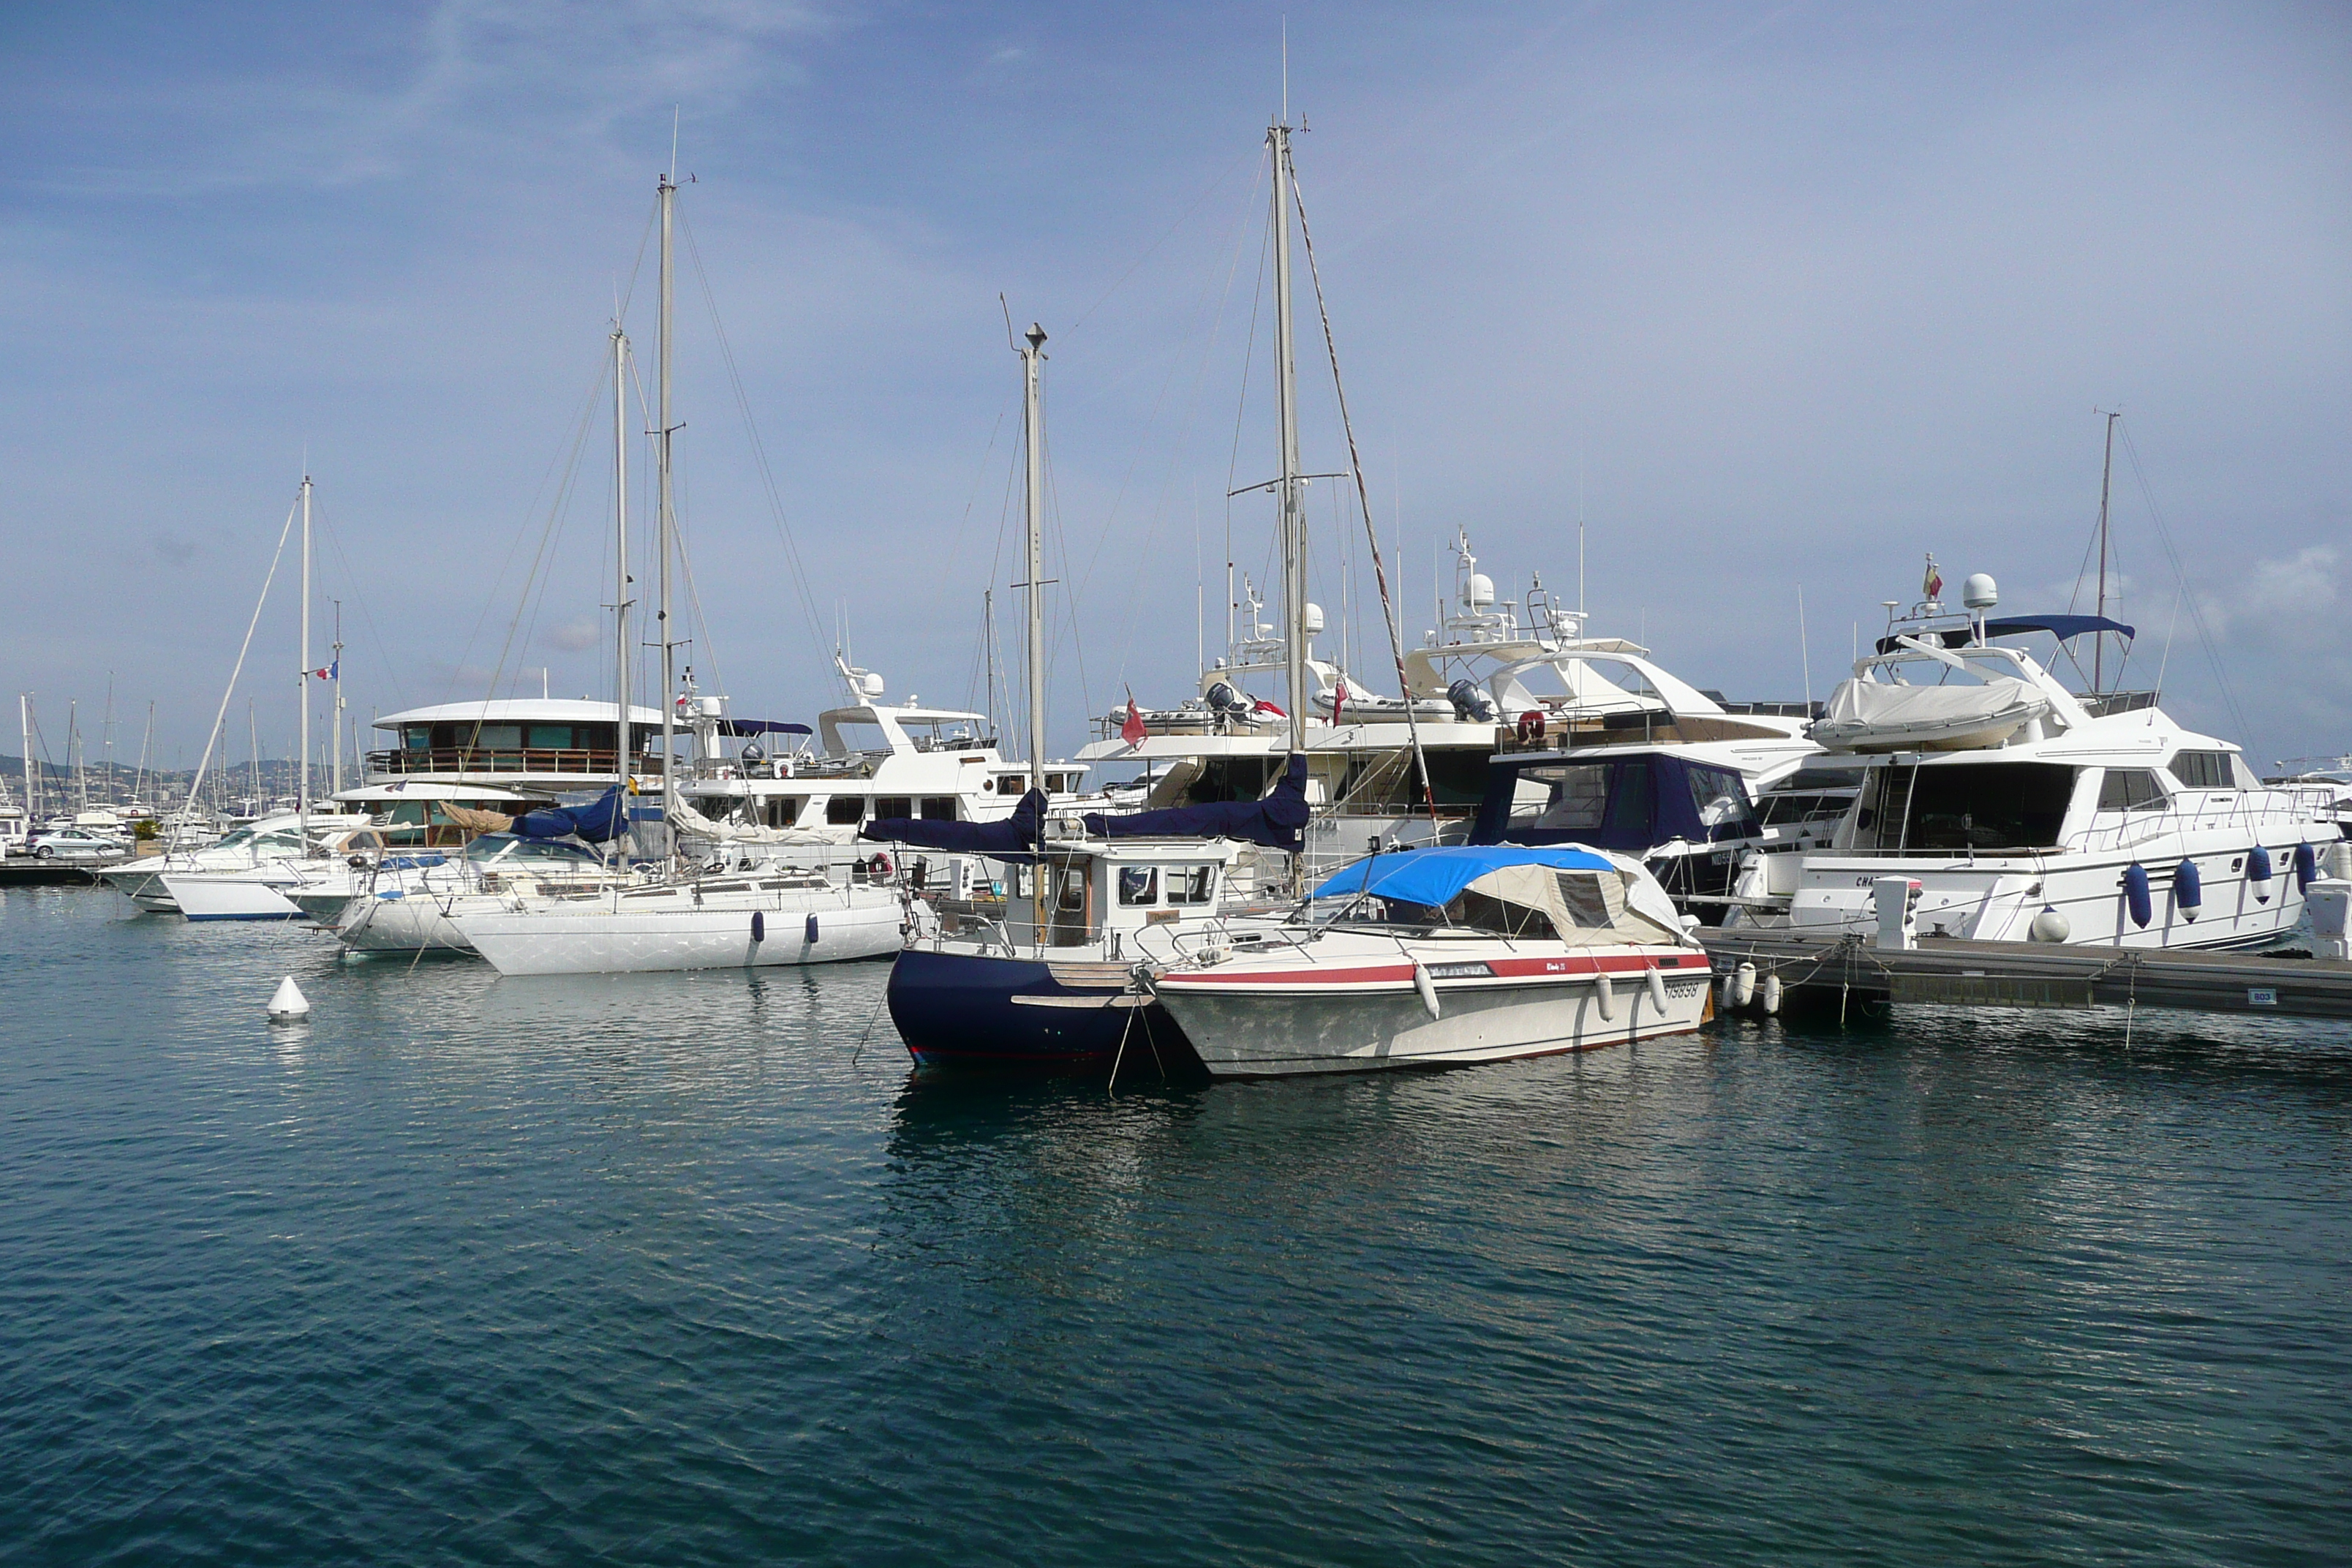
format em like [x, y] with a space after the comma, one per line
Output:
[1442, 957]
[2022, 810]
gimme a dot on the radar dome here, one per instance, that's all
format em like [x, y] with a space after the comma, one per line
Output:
[1479, 592]
[1313, 619]
[1978, 592]
[872, 685]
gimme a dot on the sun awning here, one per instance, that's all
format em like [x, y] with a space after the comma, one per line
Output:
[1434, 875]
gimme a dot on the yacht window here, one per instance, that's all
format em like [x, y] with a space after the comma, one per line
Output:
[1480, 913]
[2131, 789]
[1779, 808]
[844, 809]
[417, 737]
[1568, 798]
[1139, 884]
[1720, 797]
[1967, 806]
[2204, 770]
[894, 805]
[551, 737]
[783, 810]
[498, 737]
[938, 808]
[1071, 898]
[1191, 884]
[1587, 901]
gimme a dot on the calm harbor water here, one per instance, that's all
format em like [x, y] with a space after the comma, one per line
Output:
[669, 1269]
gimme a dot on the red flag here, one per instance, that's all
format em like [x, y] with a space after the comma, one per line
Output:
[1339, 700]
[1263, 706]
[1935, 583]
[1132, 731]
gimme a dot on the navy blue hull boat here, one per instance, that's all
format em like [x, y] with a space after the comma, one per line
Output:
[969, 1009]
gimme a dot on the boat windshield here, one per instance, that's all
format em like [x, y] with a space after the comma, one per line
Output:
[1964, 805]
[1469, 914]
[507, 850]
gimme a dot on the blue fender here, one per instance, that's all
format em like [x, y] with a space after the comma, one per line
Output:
[2306, 868]
[2187, 890]
[2258, 872]
[2136, 898]
[812, 930]
[758, 927]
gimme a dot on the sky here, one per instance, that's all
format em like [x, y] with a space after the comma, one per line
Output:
[1777, 297]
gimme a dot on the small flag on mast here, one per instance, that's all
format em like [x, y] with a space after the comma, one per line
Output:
[1338, 700]
[1132, 731]
[1932, 586]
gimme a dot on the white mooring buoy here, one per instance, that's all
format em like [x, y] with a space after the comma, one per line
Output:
[287, 1005]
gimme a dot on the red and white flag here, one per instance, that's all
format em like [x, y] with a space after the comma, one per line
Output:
[1132, 731]
[1263, 706]
[1933, 587]
[1338, 700]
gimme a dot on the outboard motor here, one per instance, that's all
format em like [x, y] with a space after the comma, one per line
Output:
[1471, 705]
[1226, 700]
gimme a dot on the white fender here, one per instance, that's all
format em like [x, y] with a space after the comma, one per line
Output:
[1744, 983]
[1427, 987]
[1605, 993]
[1772, 992]
[1658, 991]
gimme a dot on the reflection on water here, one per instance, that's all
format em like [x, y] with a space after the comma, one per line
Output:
[674, 1268]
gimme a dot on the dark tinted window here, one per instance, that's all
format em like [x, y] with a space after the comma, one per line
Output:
[2131, 789]
[2204, 770]
[938, 808]
[1974, 805]
[844, 809]
[893, 805]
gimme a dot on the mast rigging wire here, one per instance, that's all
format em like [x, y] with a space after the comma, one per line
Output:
[220, 717]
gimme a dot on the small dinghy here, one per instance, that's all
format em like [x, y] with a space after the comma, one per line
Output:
[1871, 716]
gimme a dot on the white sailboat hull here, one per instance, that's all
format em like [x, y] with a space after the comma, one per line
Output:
[215, 896]
[634, 933]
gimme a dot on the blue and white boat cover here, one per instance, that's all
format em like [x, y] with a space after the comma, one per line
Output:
[1434, 875]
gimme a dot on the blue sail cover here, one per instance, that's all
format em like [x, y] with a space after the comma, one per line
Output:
[742, 727]
[1275, 820]
[1433, 876]
[1014, 834]
[605, 817]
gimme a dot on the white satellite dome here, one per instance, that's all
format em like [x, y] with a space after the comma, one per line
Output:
[872, 684]
[1979, 593]
[1314, 618]
[1479, 592]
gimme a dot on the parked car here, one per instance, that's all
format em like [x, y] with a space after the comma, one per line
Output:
[77, 844]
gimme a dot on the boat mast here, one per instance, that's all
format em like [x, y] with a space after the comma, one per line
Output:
[335, 679]
[1293, 516]
[621, 556]
[24, 743]
[1033, 509]
[302, 683]
[2106, 473]
[664, 524]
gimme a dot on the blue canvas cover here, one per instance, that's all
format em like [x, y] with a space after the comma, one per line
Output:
[1433, 876]
[2065, 628]
[1275, 820]
[605, 817]
[742, 727]
[1651, 798]
[1015, 834]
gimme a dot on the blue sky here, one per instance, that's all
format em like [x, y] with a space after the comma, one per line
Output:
[1790, 294]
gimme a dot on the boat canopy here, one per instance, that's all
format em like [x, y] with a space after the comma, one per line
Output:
[742, 727]
[1433, 875]
[606, 816]
[1630, 804]
[1274, 820]
[2065, 628]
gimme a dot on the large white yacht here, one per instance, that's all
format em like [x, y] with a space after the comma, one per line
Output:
[1500, 680]
[2023, 811]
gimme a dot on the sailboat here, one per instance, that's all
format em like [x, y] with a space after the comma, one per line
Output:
[766, 914]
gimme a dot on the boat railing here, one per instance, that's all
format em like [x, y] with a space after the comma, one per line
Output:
[505, 760]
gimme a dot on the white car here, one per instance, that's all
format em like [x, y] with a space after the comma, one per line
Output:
[77, 844]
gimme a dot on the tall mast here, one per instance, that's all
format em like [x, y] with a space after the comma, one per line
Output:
[664, 522]
[1294, 516]
[1033, 509]
[335, 680]
[25, 743]
[621, 556]
[2106, 473]
[302, 682]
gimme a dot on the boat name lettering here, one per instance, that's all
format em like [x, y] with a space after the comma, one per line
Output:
[1459, 971]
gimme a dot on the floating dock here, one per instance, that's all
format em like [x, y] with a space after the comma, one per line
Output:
[1851, 969]
[32, 871]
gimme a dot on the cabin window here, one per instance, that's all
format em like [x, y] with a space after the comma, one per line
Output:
[417, 737]
[2204, 770]
[894, 805]
[1586, 900]
[1720, 797]
[938, 808]
[1567, 799]
[1138, 884]
[1969, 805]
[842, 810]
[1191, 884]
[783, 810]
[551, 737]
[1480, 912]
[495, 737]
[2131, 789]
[1070, 899]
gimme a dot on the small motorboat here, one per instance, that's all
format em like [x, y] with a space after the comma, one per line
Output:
[1442, 957]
